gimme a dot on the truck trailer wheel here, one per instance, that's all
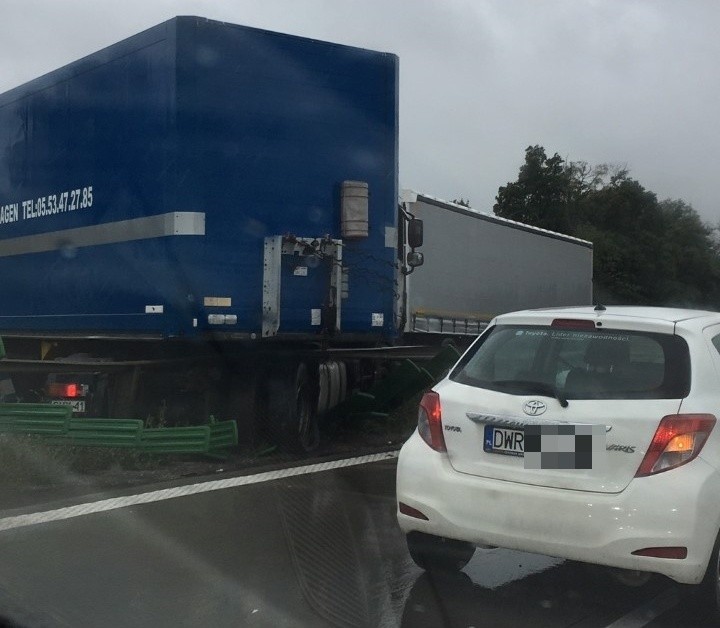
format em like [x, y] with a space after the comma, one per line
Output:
[291, 412]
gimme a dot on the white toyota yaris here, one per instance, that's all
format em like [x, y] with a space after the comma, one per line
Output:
[583, 433]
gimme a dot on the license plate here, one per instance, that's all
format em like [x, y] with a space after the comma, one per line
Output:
[500, 440]
[77, 406]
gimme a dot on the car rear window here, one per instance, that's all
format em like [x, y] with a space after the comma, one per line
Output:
[578, 364]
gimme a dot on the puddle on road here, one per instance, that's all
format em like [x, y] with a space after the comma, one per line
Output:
[493, 568]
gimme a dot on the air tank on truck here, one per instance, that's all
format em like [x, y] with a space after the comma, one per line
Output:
[203, 220]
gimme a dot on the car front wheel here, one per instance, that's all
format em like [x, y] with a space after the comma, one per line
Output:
[436, 553]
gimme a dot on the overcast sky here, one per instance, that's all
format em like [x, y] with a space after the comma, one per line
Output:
[624, 81]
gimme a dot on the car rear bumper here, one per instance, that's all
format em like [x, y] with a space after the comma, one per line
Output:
[599, 528]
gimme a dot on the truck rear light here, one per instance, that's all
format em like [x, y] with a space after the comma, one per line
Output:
[430, 421]
[663, 552]
[411, 512]
[71, 390]
[573, 323]
[678, 439]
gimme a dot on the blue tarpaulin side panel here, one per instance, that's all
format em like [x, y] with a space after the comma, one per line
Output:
[137, 184]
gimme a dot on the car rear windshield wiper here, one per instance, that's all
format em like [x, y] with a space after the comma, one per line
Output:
[533, 387]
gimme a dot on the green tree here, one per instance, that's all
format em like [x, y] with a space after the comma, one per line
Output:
[541, 193]
[692, 247]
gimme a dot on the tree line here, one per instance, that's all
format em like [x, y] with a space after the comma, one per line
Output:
[646, 251]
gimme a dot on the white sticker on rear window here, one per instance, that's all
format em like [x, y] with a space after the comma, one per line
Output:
[584, 335]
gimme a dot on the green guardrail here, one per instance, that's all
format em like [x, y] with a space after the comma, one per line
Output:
[206, 438]
[35, 418]
[57, 424]
[102, 433]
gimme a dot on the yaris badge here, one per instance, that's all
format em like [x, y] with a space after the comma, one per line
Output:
[534, 407]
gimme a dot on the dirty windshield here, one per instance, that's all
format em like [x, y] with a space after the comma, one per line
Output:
[241, 246]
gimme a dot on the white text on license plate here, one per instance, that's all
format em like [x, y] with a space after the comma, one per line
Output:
[500, 440]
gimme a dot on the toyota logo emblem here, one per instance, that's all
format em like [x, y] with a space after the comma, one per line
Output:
[534, 407]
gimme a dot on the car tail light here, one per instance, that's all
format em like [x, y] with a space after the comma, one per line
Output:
[67, 390]
[430, 421]
[678, 440]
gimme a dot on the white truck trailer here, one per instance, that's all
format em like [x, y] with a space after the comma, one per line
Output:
[478, 265]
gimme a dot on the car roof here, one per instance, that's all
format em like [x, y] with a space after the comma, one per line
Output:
[646, 314]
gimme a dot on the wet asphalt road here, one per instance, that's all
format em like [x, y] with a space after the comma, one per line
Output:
[321, 549]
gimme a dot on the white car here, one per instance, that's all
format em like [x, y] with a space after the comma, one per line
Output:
[583, 433]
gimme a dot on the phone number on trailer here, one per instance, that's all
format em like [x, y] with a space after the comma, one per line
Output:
[79, 198]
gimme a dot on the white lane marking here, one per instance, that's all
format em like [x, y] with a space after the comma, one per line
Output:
[89, 508]
[644, 614]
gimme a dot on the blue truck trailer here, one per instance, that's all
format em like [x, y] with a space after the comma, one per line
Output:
[204, 183]
[203, 219]
[146, 189]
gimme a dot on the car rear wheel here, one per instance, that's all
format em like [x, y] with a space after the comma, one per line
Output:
[631, 578]
[706, 595]
[436, 553]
